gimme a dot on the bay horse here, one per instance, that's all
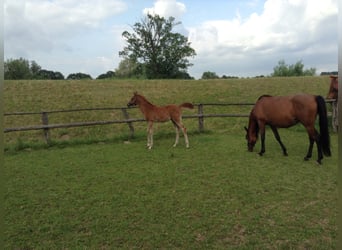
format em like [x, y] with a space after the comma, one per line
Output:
[154, 113]
[333, 89]
[284, 112]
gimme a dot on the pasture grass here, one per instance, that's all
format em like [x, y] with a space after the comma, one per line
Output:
[214, 195]
[97, 188]
[37, 96]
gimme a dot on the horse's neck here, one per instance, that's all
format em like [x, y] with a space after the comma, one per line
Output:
[252, 125]
[145, 105]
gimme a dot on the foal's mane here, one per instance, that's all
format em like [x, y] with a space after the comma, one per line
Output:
[144, 98]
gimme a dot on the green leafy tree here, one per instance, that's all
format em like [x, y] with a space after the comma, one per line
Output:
[160, 52]
[297, 69]
[109, 74]
[129, 68]
[209, 75]
[49, 74]
[15, 69]
[78, 76]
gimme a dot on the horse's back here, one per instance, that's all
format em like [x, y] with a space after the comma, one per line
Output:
[285, 111]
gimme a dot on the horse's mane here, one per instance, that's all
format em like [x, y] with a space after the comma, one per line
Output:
[144, 98]
[264, 96]
[256, 125]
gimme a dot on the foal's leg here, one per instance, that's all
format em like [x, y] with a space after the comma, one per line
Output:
[179, 125]
[177, 135]
[150, 135]
[276, 135]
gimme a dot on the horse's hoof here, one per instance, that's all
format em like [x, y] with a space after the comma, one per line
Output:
[319, 162]
[306, 158]
[285, 154]
[261, 154]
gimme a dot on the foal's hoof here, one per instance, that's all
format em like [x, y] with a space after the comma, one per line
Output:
[319, 162]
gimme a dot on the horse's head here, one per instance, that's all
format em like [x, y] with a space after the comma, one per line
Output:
[333, 89]
[251, 139]
[133, 101]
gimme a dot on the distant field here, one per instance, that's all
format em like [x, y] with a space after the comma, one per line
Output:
[103, 190]
[20, 96]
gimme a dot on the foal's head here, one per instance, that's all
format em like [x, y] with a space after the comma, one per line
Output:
[134, 100]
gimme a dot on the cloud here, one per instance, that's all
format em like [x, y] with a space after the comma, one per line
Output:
[44, 25]
[167, 8]
[286, 30]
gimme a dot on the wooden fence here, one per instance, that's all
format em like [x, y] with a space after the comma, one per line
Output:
[200, 116]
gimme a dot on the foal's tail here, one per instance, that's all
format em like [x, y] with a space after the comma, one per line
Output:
[186, 105]
[323, 125]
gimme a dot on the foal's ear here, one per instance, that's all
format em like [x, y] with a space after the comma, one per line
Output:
[135, 93]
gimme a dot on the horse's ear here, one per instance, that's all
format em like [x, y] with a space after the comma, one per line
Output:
[135, 93]
[246, 129]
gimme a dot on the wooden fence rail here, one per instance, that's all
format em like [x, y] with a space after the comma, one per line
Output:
[45, 126]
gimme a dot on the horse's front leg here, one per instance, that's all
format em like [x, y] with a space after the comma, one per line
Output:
[262, 135]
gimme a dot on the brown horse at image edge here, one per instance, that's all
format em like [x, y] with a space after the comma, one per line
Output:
[154, 113]
[284, 112]
[333, 88]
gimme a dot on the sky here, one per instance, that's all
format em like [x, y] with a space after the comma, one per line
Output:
[243, 38]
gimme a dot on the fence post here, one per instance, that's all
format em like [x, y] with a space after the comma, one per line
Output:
[200, 118]
[334, 116]
[130, 124]
[45, 121]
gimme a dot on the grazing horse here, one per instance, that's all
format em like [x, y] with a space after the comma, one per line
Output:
[333, 89]
[333, 94]
[153, 113]
[284, 112]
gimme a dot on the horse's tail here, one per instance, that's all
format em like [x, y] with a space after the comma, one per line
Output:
[186, 105]
[323, 125]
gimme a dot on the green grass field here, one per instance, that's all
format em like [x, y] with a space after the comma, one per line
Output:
[103, 191]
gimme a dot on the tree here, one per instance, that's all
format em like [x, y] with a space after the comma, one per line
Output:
[48, 74]
[16, 69]
[78, 76]
[209, 75]
[109, 74]
[128, 68]
[160, 52]
[297, 69]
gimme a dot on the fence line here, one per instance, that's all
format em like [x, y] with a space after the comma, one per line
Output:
[45, 126]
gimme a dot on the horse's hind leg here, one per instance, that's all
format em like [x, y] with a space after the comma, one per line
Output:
[276, 135]
[314, 137]
[309, 154]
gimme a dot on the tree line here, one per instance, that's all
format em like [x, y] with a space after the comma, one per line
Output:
[153, 51]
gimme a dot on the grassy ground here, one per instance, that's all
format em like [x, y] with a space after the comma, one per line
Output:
[117, 194]
[213, 195]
